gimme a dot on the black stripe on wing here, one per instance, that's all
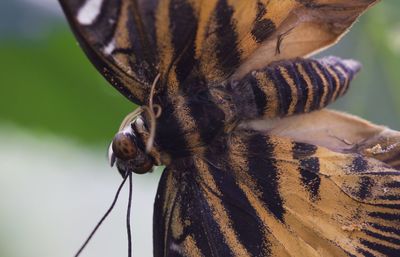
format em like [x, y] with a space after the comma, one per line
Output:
[296, 86]
[258, 195]
[119, 40]
[183, 26]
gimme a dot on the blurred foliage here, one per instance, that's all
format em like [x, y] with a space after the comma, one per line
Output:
[49, 86]
[374, 94]
[383, 29]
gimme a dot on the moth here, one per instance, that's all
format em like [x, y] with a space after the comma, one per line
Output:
[234, 107]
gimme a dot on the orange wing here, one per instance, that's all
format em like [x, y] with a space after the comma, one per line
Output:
[196, 43]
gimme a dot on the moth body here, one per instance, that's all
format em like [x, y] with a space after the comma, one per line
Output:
[279, 90]
[230, 103]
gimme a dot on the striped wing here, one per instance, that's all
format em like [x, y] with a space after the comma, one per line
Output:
[337, 131]
[118, 38]
[258, 195]
[195, 43]
[293, 86]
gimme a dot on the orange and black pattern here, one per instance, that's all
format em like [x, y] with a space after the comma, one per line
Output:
[230, 191]
[295, 86]
[198, 47]
[187, 41]
[259, 195]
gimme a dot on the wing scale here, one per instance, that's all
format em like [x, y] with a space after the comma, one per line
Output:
[259, 195]
[196, 44]
[114, 37]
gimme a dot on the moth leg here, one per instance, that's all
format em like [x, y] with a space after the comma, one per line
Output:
[292, 87]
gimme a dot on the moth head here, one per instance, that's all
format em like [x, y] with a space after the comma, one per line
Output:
[127, 150]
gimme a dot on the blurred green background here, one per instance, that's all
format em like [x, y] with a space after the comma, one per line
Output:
[57, 116]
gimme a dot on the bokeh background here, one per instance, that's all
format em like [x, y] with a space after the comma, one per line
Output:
[57, 116]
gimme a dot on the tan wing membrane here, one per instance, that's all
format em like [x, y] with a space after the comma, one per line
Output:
[196, 44]
[302, 28]
[337, 131]
[260, 195]
[327, 204]
[249, 35]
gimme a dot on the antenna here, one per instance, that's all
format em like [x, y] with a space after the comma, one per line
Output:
[107, 213]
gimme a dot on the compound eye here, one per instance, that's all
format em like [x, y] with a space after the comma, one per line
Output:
[124, 146]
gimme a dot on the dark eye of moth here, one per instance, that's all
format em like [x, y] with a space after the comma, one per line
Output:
[124, 146]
